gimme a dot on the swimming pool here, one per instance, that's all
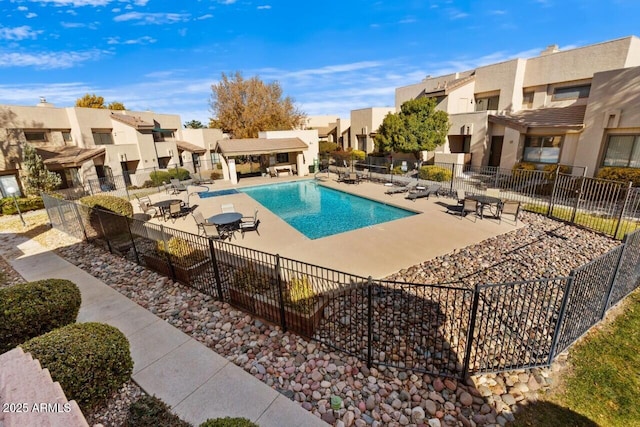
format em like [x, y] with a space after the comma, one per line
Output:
[318, 211]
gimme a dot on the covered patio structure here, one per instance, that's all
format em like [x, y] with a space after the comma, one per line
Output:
[261, 156]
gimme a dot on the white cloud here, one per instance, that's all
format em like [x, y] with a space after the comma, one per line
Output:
[407, 21]
[203, 17]
[264, 7]
[153, 18]
[31, 15]
[140, 40]
[227, 1]
[23, 8]
[497, 12]
[18, 33]
[74, 3]
[456, 14]
[47, 60]
[116, 10]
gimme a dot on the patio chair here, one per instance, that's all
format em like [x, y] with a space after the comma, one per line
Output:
[461, 194]
[509, 207]
[272, 172]
[352, 178]
[397, 190]
[227, 207]
[249, 223]
[177, 186]
[432, 189]
[146, 207]
[176, 210]
[200, 222]
[210, 231]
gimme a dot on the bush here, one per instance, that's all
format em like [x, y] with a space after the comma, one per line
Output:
[397, 170]
[25, 204]
[182, 252]
[435, 173]
[327, 147]
[215, 175]
[149, 411]
[105, 202]
[358, 155]
[552, 170]
[31, 309]
[252, 278]
[159, 177]
[228, 422]
[179, 173]
[620, 174]
[519, 169]
[90, 360]
[300, 295]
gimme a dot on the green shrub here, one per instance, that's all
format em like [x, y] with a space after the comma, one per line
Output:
[105, 202]
[397, 170]
[252, 278]
[25, 204]
[435, 173]
[182, 252]
[215, 175]
[31, 309]
[327, 147]
[149, 411]
[620, 174]
[519, 169]
[552, 170]
[179, 173]
[90, 360]
[228, 422]
[358, 155]
[159, 177]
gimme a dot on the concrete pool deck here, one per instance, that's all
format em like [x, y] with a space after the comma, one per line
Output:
[376, 251]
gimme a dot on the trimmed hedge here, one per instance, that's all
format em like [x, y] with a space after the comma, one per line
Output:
[91, 361]
[24, 203]
[435, 173]
[28, 310]
[159, 177]
[620, 174]
[105, 202]
[179, 173]
[228, 422]
[149, 411]
[105, 215]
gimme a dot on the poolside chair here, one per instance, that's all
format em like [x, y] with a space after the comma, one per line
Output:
[432, 189]
[197, 179]
[200, 222]
[397, 190]
[210, 231]
[227, 207]
[352, 178]
[177, 186]
[146, 207]
[461, 194]
[469, 205]
[176, 210]
[249, 223]
[509, 207]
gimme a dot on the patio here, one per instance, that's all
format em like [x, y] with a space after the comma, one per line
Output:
[379, 250]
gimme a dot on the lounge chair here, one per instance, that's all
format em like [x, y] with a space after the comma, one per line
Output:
[227, 207]
[352, 178]
[177, 186]
[397, 190]
[432, 189]
[249, 223]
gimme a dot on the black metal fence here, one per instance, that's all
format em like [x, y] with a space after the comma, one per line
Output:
[444, 329]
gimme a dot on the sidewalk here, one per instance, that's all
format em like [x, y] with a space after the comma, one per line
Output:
[197, 382]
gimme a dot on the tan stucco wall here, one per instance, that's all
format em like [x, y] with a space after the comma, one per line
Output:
[365, 121]
[428, 84]
[612, 92]
[477, 123]
[309, 137]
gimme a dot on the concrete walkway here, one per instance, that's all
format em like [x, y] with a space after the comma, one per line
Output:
[197, 382]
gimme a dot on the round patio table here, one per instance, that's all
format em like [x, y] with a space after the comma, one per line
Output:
[163, 205]
[224, 219]
[489, 201]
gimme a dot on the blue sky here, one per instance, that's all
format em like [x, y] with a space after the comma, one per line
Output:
[330, 56]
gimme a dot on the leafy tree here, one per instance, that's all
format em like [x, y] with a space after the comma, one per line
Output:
[244, 107]
[417, 127]
[115, 105]
[193, 124]
[95, 101]
[90, 101]
[38, 178]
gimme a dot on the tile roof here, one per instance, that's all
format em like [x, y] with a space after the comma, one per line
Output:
[239, 147]
[133, 121]
[570, 118]
[187, 146]
[67, 156]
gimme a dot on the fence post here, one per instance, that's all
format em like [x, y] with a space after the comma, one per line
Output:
[216, 270]
[575, 208]
[126, 189]
[84, 231]
[283, 317]
[563, 307]
[133, 241]
[553, 194]
[614, 276]
[453, 174]
[472, 326]
[624, 208]
[369, 322]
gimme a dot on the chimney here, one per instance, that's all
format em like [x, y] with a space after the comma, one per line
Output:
[552, 48]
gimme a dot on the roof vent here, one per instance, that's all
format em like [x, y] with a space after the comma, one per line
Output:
[43, 102]
[552, 48]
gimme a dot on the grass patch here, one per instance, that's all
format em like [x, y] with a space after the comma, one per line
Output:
[604, 383]
[590, 221]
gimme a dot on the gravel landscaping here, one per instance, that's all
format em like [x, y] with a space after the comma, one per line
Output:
[310, 373]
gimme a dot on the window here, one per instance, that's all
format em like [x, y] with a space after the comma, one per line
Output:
[161, 136]
[282, 158]
[362, 142]
[571, 92]
[542, 149]
[527, 99]
[215, 158]
[35, 136]
[487, 103]
[102, 138]
[623, 151]
[66, 136]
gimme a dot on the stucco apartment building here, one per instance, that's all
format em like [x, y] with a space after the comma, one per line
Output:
[576, 107]
[81, 144]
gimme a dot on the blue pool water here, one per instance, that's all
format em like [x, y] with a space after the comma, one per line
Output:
[317, 211]
[207, 194]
